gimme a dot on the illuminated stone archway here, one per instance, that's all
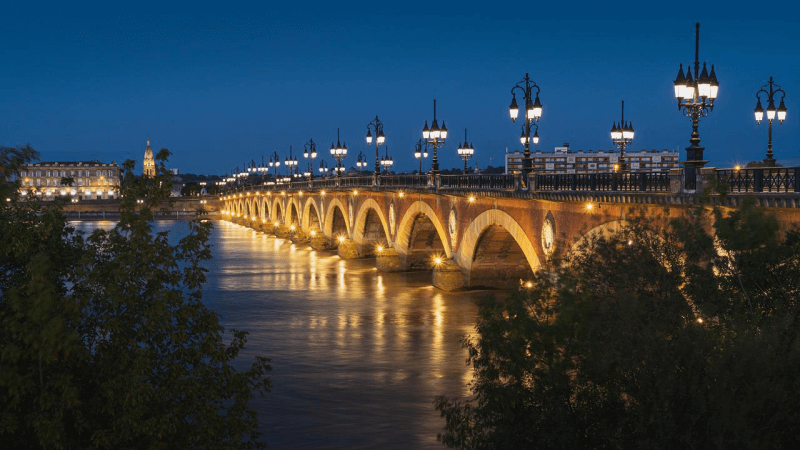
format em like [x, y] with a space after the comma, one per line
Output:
[360, 232]
[331, 208]
[311, 212]
[494, 222]
[406, 224]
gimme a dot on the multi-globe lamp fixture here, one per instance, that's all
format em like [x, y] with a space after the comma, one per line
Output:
[533, 112]
[338, 151]
[465, 151]
[435, 137]
[695, 95]
[772, 113]
[622, 136]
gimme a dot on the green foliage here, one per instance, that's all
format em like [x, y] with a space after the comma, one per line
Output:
[656, 337]
[104, 340]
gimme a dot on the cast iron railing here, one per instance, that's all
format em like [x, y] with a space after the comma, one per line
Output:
[615, 182]
[478, 182]
[771, 179]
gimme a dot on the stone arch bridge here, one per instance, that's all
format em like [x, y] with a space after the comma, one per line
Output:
[470, 231]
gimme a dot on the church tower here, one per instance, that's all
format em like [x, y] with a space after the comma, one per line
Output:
[149, 168]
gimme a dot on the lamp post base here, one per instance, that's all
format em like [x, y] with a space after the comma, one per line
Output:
[770, 162]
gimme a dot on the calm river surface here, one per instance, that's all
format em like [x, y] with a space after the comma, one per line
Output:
[357, 355]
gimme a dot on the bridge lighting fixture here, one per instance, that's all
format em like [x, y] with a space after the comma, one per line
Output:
[291, 163]
[310, 152]
[313, 233]
[437, 260]
[361, 162]
[291, 227]
[769, 161]
[435, 137]
[622, 136]
[465, 151]
[387, 161]
[322, 193]
[276, 223]
[341, 238]
[737, 167]
[472, 199]
[401, 194]
[589, 206]
[338, 151]
[379, 248]
[380, 138]
[695, 97]
[355, 192]
[275, 161]
[533, 112]
[420, 153]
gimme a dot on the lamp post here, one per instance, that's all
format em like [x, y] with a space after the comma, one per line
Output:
[310, 151]
[339, 151]
[387, 161]
[380, 138]
[421, 151]
[465, 151]
[361, 163]
[275, 161]
[262, 169]
[291, 163]
[533, 112]
[323, 169]
[769, 161]
[622, 136]
[696, 97]
[435, 137]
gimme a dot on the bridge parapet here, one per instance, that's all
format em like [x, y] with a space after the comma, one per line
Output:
[773, 187]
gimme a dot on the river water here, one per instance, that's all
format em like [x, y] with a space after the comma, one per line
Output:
[358, 355]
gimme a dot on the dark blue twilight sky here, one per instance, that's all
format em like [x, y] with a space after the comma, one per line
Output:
[222, 83]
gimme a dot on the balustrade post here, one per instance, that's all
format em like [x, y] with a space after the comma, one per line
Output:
[642, 181]
[615, 181]
[437, 181]
[797, 179]
[758, 180]
[592, 181]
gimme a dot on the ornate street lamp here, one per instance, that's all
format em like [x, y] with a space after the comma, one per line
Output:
[380, 139]
[323, 169]
[769, 161]
[421, 152]
[339, 151]
[310, 151]
[696, 97]
[361, 163]
[622, 136]
[533, 112]
[435, 137]
[387, 161]
[465, 151]
[291, 163]
[275, 161]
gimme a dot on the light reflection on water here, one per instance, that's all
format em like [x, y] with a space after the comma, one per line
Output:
[358, 355]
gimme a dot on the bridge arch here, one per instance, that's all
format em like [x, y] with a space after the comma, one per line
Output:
[369, 222]
[311, 217]
[336, 219]
[604, 230]
[487, 245]
[277, 209]
[420, 217]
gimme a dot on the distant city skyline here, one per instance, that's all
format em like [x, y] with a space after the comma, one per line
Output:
[220, 87]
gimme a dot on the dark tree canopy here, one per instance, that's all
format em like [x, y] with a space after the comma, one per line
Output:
[650, 338]
[104, 339]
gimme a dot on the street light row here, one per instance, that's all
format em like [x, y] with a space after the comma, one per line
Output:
[695, 94]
